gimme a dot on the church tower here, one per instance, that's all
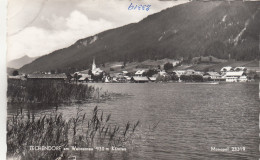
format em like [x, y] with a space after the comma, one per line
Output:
[94, 65]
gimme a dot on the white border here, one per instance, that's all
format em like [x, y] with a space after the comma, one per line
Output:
[3, 81]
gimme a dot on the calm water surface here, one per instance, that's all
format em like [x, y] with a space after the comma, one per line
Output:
[192, 119]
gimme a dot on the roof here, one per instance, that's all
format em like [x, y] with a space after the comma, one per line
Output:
[228, 68]
[213, 73]
[83, 72]
[240, 73]
[124, 72]
[189, 72]
[116, 74]
[15, 77]
[152, 78]
[180, 71]
[240, 68]
[140, 78]
[47, 76]
[140, 72]
[84, 76]
[198, 73]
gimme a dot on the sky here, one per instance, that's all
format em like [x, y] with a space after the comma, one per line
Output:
[39, 27]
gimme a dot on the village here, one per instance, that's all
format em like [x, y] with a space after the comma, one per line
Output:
[166, 73]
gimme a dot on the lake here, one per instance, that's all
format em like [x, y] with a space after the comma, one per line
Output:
[192, 119]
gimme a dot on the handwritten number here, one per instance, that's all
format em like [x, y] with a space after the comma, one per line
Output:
[140, 7]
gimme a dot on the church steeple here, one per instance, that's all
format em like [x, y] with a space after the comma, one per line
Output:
[94, 64]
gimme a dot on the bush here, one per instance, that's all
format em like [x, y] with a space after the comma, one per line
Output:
[197, 78]
[185, 78]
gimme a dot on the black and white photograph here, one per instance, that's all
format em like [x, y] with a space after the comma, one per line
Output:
[132, 80]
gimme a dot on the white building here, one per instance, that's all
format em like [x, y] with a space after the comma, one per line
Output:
[226, 69]
[235, 76]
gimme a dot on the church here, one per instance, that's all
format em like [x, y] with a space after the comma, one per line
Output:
[95, 71]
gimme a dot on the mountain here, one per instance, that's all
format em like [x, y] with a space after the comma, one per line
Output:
[215, 28]
[18, 63]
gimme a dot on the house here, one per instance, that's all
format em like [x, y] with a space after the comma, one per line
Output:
[124, 72]
[139, 79]
[152, 79]
[226, 69]
[53, 77]
[139, 73]
[179, 72]
[18, 77]
[127, 78]
[121, 79]
[84, 77]
[240, 69]
[212, 75]
[198, 73]
[235, 76]
[190, 72]
[162, 73]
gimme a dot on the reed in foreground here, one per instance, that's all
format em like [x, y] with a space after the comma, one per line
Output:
[25, 131]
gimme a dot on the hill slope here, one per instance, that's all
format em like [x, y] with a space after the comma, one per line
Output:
[188, 30]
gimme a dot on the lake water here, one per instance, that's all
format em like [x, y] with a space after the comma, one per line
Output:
[192, 119]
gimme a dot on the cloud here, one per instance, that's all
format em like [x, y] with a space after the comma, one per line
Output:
[36, 41]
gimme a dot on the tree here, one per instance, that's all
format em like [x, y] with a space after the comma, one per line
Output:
[174, 77]
[15, 73]
[189, 58]
[151, 72]
[76, 77]
[238, 69]
[69, 77]
[90, 72]
[199, 59]
[168, 66]
[52, 72]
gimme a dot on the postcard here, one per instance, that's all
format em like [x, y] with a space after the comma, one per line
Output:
[133, 79]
